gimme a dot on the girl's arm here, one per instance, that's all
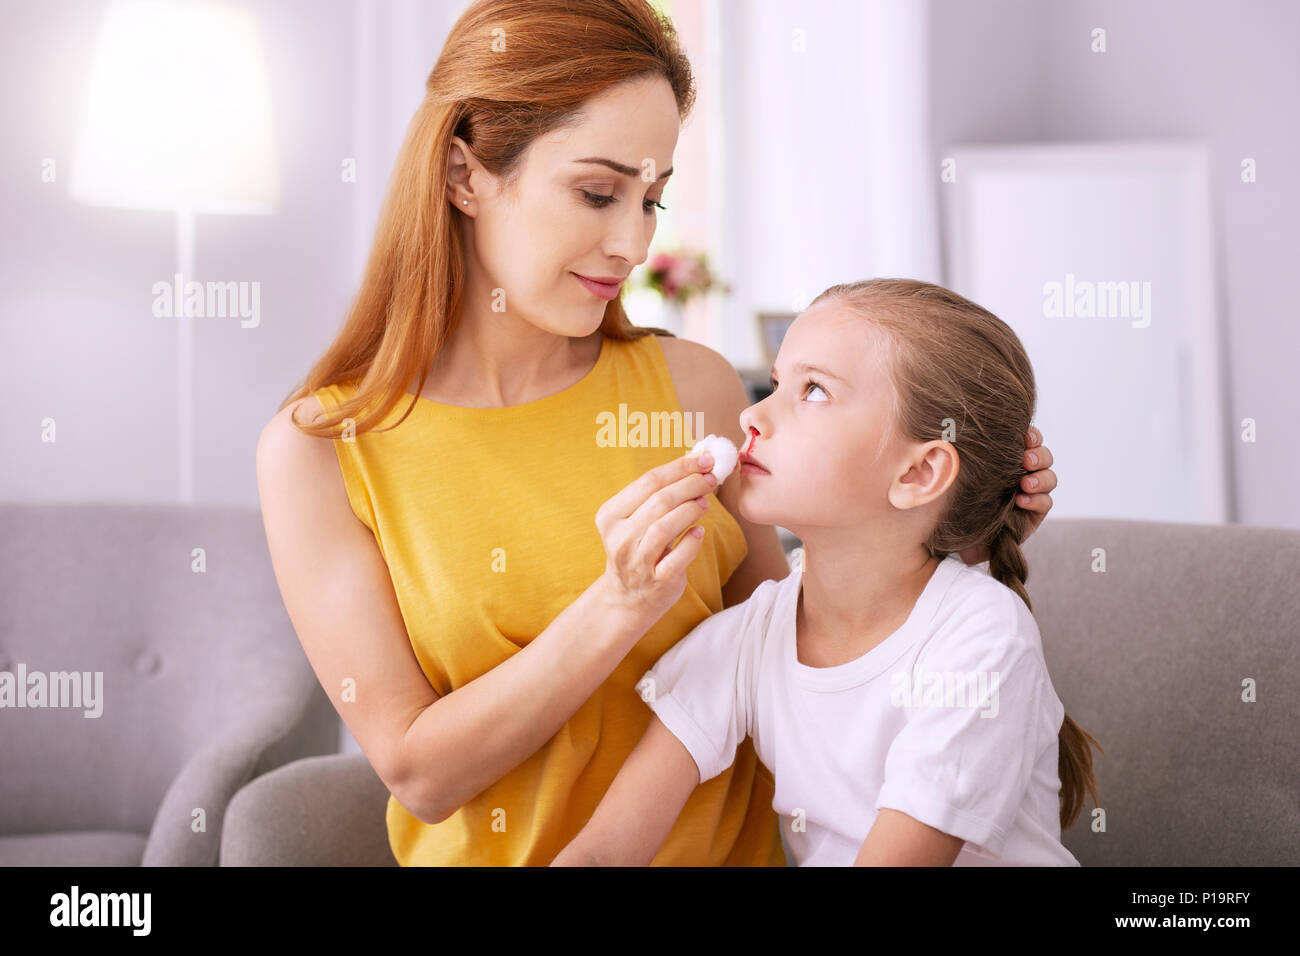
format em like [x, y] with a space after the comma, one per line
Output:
[640, 807]
[896, 839]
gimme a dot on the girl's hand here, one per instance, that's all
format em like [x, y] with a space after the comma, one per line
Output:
[1035, 490]
[643, 573]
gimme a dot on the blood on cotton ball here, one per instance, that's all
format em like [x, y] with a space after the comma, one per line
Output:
[724, 454]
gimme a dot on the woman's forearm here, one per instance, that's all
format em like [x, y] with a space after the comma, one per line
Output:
[466, 741]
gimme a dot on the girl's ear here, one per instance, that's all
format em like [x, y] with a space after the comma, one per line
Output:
[931, 471]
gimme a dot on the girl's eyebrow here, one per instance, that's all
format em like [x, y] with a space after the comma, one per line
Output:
[805, 367]
[620, 168]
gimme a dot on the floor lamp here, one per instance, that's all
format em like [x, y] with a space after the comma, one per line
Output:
[177, 118]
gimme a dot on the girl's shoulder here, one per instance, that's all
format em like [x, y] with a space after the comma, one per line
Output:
[978, 620]
[769, 601]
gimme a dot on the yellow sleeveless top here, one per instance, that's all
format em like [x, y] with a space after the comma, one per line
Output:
[486, 519]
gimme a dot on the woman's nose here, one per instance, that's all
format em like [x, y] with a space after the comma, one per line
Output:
[630, 238]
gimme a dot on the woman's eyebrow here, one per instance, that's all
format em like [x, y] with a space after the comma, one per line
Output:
[620, 168]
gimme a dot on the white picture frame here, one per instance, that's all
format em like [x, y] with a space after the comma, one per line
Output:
[1135, 414]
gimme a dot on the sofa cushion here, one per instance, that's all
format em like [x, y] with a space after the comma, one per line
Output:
[73, 848]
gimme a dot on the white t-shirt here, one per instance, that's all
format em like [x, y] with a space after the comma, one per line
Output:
[952, 719]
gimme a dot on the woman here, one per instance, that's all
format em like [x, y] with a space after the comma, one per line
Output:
[478, 636]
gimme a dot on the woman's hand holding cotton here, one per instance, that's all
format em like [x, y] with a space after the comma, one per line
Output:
[639, 524]
[724, 454]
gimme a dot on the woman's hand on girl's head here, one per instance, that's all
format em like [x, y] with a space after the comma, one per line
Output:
[1036, 486]
[1034, 495]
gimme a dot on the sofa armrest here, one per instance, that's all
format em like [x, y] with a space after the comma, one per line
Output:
[207, 782]
[317, 811]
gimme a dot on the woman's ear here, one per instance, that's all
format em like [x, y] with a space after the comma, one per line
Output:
[460, 163]
[930, 471]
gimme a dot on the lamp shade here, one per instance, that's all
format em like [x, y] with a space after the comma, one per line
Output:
[177, 115]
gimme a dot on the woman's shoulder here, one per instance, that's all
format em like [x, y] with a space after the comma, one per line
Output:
[292, 465]
[690, 362]
[705, 381]
[283, 445]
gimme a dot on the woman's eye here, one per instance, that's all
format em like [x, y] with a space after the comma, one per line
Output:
[600, 202]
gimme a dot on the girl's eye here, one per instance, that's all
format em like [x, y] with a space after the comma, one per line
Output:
[812, 382]
[600, 202]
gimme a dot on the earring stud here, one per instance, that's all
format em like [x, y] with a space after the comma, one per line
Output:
[464, 202]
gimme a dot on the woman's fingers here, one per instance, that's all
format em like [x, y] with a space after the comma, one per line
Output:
[681, 556]
[667, 500]
[638, 525]
[1036, 486]
[1039, 504]
[664, 530]
[1039, 483]
[1038, 457]
[626, 501]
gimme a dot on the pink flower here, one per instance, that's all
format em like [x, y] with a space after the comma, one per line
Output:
[682, 272]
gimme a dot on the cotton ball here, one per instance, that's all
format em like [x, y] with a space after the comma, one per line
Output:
[724, 454]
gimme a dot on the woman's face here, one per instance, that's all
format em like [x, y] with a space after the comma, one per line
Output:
[528, 244]
[822, 434]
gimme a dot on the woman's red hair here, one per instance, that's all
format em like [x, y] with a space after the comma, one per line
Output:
[510, 71]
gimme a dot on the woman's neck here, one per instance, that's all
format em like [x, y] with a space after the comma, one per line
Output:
[504, 362]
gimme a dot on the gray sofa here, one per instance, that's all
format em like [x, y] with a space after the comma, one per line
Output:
[1149, 656]
[216, 743]
[204, 684]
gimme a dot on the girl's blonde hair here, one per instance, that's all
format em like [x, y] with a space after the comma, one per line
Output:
[510, 71]
[959, 373]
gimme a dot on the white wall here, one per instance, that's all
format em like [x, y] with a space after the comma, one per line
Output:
[825, 164]
[1020, 70]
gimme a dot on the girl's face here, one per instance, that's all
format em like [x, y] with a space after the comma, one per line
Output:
[584, 204]
[823, 435]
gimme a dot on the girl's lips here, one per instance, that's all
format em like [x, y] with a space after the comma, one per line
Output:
[749, 468]
[604, 290]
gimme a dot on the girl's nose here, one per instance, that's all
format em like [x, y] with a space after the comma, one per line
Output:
[749, 424]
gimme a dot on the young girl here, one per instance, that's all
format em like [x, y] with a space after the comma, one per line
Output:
[899, 696]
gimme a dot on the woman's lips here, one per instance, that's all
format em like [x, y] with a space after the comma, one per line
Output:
[603, 290]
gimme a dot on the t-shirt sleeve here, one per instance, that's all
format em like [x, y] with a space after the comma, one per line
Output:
[962, 763]
[702, 687]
